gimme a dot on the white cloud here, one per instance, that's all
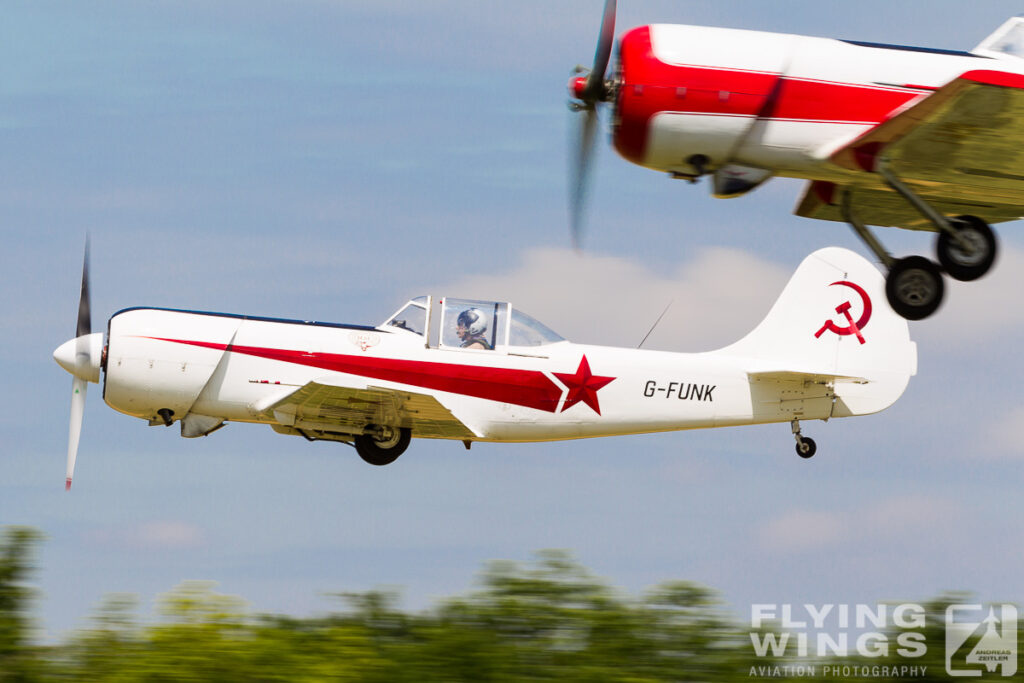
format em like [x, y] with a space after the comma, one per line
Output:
[717, 296]
[895, 518]
[802, 530]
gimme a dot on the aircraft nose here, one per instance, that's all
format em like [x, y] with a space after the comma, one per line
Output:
[576, 86]
[65, 355]
[81, 356]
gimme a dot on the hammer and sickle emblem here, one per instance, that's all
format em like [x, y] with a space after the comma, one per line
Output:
[844, 309]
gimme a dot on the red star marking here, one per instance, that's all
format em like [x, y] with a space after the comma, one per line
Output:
[583, 386]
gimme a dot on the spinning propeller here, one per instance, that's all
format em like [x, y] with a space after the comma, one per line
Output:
[81, 357]
[587, 90]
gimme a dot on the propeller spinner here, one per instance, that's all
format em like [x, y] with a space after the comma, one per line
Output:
[81, 357]
[587, 91]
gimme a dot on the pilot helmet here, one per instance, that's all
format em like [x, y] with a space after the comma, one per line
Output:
[473, 320]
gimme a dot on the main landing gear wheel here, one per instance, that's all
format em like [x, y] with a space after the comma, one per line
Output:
[960, 263]
[806, 447]
[914, 287]
[377, 451]
[966, 249]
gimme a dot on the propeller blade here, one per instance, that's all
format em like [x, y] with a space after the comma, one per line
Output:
[84, 314]
[83, 358]
[78, 389]
[579, 171]
[594, 90]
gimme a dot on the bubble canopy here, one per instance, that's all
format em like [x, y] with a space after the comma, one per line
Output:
[470, 323]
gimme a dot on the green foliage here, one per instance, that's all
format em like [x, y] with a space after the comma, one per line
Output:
[549, 620]
[18, 660]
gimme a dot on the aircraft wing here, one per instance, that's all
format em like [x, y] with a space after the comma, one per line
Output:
[326, 406]
[883, 207]
[962, 147]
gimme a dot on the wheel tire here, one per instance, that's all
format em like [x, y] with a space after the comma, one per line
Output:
[962, 266]
[914, 287]
[807, 448]
[383, 452]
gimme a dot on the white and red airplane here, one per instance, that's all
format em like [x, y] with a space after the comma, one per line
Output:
[468, 370]
[887, 135]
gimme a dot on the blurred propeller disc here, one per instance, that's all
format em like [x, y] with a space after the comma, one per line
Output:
[579, 171]
[587, 91]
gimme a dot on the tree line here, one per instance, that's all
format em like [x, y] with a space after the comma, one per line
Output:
[546, 620]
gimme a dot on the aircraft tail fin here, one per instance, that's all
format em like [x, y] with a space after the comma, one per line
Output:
[832, 326]
[1006, 42]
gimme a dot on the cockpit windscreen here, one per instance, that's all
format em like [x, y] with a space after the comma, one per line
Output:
[412, 318]
[529, 332]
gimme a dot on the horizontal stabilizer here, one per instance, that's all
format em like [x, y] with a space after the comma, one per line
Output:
[805, 377]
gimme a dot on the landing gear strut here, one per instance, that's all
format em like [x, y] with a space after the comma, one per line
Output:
[805, 446]
[966, 248]
[914, 285]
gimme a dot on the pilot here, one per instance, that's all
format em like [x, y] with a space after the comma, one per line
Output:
[470, 327]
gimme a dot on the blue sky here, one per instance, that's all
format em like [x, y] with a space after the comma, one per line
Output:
[328, 160]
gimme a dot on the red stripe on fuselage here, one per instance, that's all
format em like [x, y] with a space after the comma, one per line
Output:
[650, 86]
[529, 388]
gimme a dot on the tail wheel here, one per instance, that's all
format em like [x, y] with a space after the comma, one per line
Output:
[806, 447]
[383, 451]
[966, 265]
[914, 287]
